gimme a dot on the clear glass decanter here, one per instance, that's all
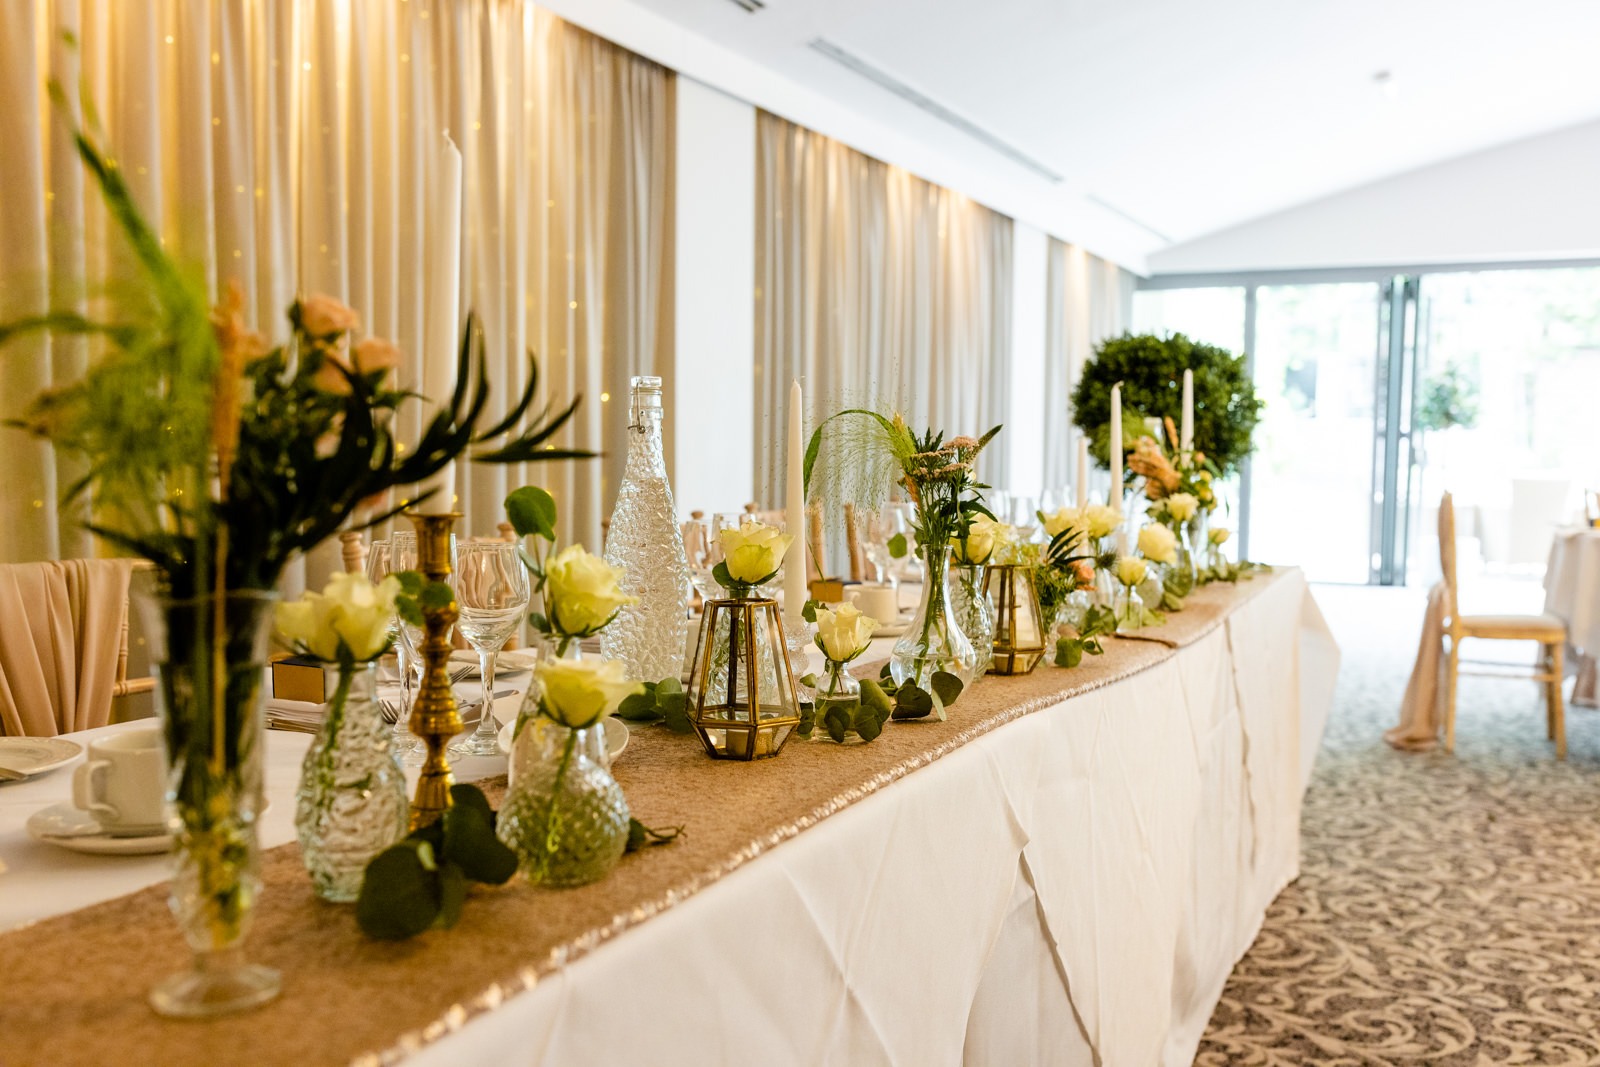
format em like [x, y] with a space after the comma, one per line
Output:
[646, 541]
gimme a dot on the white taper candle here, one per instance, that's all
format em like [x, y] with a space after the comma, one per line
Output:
[1186, 432]
[443, 329]
[794, 515]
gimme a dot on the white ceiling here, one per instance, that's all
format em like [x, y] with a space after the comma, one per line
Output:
[1188, 116]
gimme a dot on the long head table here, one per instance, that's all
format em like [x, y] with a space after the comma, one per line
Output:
[75, 984]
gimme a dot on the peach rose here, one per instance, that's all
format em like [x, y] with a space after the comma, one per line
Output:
[323, 316]
[374, 354]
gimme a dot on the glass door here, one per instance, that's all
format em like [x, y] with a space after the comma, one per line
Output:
[1311, 480]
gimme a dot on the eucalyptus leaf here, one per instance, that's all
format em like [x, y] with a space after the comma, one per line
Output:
[867, 723]
[399, 895]
[946, 686]
[640, 835]
[809, 612]
[911, 702]
[436, 595]
[411, 582]
[675, 710]
[639, 707]
[723, 576]
[897, 546]
[837, 722]
[470, 796]
[808, 680]
[1069, 652]
[668, 686]
[873, 697]
[808, 720]
[532, 510]
[452, 895]
[471, 844]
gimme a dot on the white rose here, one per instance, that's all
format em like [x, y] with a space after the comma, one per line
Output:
[1218, 534]
[579, 693]
[843, 634]
[581, 593]
[1182, 506]
[350, 613]
[982, 538]
[1063, 519]
[1129, 570]
[1158, 543]
[1101, 519]
[754, 551]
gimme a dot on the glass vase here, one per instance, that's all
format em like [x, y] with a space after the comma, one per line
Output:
[743, 700]
[836, 688]
[564, 815]
[1127, 608]
[352, 803]
[647, 542]
[974, 614]
[933, 641]
[211, 656]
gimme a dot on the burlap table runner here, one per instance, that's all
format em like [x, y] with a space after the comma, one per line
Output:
[73, 987]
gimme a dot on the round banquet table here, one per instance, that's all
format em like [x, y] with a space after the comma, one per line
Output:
[1572, 594]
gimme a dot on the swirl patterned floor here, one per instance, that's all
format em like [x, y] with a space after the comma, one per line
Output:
[1448, 907]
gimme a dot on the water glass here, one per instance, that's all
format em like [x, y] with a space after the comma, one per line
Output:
[492, 595]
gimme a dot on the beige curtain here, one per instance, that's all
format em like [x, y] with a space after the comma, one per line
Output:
[1088, 300]
[875, 288]
[290, 145]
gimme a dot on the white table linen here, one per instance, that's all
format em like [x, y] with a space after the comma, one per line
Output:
[1077, 882]
[1572, 594]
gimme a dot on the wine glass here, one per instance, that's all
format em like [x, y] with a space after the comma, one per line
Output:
[403, 557]
[703, 546]
[492, 595]
[381, 562]
[876, 530]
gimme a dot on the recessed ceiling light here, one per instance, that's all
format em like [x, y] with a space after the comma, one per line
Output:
[1386, 84]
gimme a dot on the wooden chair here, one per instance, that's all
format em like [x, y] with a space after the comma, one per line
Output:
[1549, 631]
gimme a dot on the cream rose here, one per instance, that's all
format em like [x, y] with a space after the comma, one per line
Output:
[581, 593]
[350, 613]
[1219, 534]
[579, 693]
[1182, 506]
[754, 551]
[1129, 570]
[1101, 519]
[323, 316]
[982, 539]
[1063, 519]
[844, 634]
[1158, 543]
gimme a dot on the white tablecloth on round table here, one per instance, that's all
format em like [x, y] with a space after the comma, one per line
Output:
[1572, 593]
[1071, 887]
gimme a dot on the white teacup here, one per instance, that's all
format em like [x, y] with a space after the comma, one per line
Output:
[881, 602]
[123, 783]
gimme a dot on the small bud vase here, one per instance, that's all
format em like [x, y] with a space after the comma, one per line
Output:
[565, 816]
[352, 801]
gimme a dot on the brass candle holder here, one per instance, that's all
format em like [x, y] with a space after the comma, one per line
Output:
[434, 717]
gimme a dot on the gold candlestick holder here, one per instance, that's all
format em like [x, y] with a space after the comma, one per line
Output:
[434, 717]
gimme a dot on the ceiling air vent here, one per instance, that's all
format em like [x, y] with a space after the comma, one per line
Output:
[932, 107]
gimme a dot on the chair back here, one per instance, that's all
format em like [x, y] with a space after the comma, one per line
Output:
[1447, 555]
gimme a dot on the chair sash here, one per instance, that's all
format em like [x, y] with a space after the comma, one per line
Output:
[61, 631]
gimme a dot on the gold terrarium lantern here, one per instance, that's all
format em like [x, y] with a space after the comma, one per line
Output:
[1018, 623]
[742, 697]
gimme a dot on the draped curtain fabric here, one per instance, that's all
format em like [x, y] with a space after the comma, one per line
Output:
[876, 289]
[1088, 300]
[290, 146]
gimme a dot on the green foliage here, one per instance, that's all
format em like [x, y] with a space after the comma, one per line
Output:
[1098, 623]
[641, 836]
[663, 701]
[1150, 369]
[421, 882]
[531, 511]
[912, 701]
[1449, 399]
[897, 546]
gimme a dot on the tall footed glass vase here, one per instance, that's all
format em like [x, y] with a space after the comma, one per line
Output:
[933, 641]
[211, 654]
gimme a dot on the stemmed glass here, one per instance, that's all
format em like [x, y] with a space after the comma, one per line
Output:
[403, 557]
[876, 530]
[703, 545]
[380, 564]
[492, 595]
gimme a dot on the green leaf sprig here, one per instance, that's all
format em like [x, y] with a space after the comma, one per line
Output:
[421, 883]
[1099, 622]
[911, 701]
[663, 701]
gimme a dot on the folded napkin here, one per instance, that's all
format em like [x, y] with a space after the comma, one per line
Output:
[1422, 709]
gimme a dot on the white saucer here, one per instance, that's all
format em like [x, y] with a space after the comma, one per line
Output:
[75, 829]
[35, 755]
[617, 736]
[893, 629]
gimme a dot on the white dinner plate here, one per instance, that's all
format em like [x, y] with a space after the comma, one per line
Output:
[616, 736]
[509, 662]
[35, 755]
[75, 829]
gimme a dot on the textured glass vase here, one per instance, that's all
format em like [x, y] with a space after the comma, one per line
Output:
[975, 614]
[933, 641]
[352, 802]
[211, 654]
[645, 540]
[564, 816]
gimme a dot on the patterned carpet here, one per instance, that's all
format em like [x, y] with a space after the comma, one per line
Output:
[1448, 907]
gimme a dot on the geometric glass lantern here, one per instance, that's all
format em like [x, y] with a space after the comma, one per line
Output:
[742, 697]
[1018, 626]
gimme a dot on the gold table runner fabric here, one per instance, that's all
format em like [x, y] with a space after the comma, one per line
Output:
[75, 985]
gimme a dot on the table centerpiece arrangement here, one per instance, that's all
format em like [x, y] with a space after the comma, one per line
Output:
[221, 458]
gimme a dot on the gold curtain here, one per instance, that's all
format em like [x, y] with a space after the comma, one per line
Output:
[875, 288]
[288, 145]
[1088, 299]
